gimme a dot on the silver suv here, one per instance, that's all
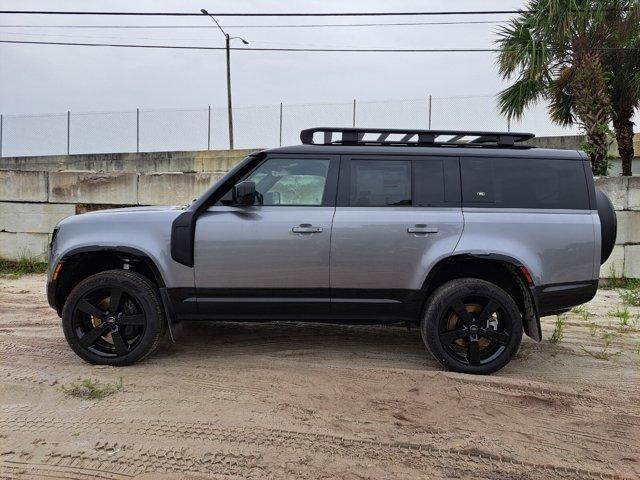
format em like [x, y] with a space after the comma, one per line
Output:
[472, 236]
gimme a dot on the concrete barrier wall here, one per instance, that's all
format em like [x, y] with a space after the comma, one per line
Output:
[624, 193]
[31, 203]
[143, 162]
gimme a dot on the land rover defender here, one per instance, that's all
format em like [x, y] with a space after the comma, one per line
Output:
[469, 236]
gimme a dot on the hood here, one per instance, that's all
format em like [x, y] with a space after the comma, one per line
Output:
[150, 208]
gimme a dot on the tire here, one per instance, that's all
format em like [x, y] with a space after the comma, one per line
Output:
[118, 338]
[485, 334]
[608, 225]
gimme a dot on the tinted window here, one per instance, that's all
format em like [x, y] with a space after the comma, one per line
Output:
[291, 182]
[524, 183]
[380, 183]
[428, 182]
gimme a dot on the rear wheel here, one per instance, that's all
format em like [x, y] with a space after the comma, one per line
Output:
[113, 318]
[472, 326]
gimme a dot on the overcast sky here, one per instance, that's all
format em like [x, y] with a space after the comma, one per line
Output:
[41, 79]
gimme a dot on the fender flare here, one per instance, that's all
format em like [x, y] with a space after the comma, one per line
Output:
[531, 320]
[126, 250]
[144, 256]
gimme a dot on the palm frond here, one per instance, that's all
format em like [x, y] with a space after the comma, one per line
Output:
[561, 98]
[514, 100]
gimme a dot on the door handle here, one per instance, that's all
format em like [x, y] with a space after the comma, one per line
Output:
[423, 229]
[306, 228]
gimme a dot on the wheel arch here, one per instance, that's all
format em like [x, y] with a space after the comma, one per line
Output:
[81, 262]
[503, 270]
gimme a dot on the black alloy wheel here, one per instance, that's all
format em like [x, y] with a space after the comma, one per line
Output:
[113, 318]
[476, 330]
[109, 322]
[472, 326]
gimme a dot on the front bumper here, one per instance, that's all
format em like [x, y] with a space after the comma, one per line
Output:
[51, 295]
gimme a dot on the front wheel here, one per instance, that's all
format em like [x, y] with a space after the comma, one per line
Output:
[472, 326]
[113, 318]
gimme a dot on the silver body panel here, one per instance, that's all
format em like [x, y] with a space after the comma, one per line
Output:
[255, 247]
[358, 247]
[372, 248]
[556, 246]
[145, 229]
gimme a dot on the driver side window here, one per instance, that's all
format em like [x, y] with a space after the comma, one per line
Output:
[291, 182]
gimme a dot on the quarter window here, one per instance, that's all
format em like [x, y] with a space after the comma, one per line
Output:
[291, 182]
[525, 183]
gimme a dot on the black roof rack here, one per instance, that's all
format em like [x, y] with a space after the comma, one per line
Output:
[419, 138]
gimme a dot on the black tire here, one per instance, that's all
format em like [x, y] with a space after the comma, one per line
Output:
[117, 338]
[608, 225]
[472, 326]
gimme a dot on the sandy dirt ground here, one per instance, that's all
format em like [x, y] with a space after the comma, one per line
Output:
[291, 400]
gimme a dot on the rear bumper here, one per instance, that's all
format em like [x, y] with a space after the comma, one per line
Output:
[558, 298]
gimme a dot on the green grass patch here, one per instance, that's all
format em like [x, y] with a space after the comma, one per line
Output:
[620, 283]
[615, 281]
[604, 352]
[92, 389]
[558, 331]
[630, 296]
[24, 266]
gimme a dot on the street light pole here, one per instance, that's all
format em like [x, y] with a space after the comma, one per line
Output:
[229, 103]
[227, 41]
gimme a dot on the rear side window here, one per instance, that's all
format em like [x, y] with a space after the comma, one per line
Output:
[524, 183]
[380, 183]
[393, 182]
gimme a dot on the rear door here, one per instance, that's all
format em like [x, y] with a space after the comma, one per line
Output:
[396, 217]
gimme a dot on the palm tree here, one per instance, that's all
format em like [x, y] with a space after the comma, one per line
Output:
[557, 50]
[624, 83]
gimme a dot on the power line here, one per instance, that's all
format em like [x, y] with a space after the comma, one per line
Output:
[310, 25]
[260, 49]
[198, 14]
[256, 49]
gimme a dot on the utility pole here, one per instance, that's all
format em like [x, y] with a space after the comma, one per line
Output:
[227, 42]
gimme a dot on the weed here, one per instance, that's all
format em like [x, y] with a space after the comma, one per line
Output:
[583, 312]
[92, 389]
[613, 281]
[24, 266]
[630, 296]
[627, 323]
[622, 313]
[558, 331]
[593, 328]
[604, 353]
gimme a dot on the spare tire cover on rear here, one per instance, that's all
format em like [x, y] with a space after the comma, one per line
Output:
[608, 224]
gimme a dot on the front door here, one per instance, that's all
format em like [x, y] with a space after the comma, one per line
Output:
[270, 260]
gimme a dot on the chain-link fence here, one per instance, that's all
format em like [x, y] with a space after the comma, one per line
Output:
[254, 127]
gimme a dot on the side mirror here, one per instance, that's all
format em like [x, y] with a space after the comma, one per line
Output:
[244, 193]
